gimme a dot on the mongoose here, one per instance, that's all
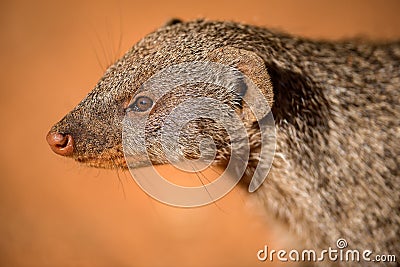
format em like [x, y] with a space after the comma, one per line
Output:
[336, 107]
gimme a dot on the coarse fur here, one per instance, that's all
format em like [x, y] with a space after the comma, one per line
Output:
[336, 107]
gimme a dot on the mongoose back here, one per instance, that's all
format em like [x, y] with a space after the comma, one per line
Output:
[336, 107]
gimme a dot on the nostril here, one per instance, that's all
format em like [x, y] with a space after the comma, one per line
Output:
[62, 144]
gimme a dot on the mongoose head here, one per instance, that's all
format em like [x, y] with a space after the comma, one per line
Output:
[335, 106]
[92, 132]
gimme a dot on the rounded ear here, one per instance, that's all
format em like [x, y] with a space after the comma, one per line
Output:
[250, 64]
[172, 21]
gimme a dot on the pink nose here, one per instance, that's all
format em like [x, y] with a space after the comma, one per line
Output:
[60, 143]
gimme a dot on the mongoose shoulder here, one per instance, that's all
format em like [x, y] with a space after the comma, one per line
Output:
[336, 107]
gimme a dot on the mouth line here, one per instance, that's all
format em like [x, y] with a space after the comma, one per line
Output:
[117, 162]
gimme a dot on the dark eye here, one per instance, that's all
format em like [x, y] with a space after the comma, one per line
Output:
[141, 104]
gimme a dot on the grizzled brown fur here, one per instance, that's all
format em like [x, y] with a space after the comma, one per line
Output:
[336, 107]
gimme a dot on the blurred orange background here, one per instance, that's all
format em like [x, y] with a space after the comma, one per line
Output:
[54, 212]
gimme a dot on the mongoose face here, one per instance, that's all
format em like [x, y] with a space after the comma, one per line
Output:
[92, 132]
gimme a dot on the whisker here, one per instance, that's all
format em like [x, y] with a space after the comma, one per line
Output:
[212, 168]
[204, 176]
[213, 201]
[127, 178]
[103, 48]
[111, 48]
[103, 69]
[119, 47]
[201, 181]
[119, 178]
[94, 47]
